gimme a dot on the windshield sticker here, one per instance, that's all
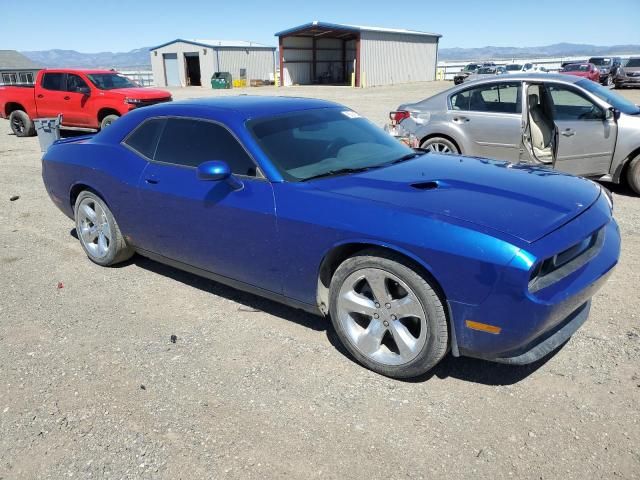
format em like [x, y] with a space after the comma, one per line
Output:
[350, 114]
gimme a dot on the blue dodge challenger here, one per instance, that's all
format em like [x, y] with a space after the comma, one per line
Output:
[307, 203]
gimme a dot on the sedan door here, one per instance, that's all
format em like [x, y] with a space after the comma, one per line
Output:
[586, 136]
[218, 226]
[489, 120]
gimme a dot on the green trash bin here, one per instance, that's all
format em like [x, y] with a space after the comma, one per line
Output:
[221, 80]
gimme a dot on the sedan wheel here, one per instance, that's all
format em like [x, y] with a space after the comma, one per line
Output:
[387, 315]
[440, 145]
[98, 231]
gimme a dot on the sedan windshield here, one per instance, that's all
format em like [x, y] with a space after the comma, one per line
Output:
[486, 70]
[323, 142]
[600, 62]
[616, 101]
[633, 63]
[513, 68]
[110, 81]
[576, 67]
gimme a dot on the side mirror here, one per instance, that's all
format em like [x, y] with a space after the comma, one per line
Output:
[612, 113]
[84, 90]
[213, 171]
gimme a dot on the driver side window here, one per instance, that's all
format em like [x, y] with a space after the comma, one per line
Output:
[75, 83]
[568, 104]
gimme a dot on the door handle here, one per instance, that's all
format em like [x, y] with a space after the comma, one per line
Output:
[40, 95]
[568, 132]
[151, 180]
[67, 97]
[461, 119]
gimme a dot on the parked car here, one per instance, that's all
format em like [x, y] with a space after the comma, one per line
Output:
[465, 72]
[513, 68]
[484, 72]
[305, 202]
[628, 75]
[584, 70]
[569, 62]
[90, 99]
[607, 68]
[568, 123]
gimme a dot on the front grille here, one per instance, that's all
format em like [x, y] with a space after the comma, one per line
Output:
[555, 268]
[149, 102]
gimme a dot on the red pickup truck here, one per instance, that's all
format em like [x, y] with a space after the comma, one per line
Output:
[90, 99]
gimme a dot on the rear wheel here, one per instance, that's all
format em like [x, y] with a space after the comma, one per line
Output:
[609, 81]
[440, 145]
[387, 315]
[108, 120]
[633, 174]
[98, 231]
[21, 124]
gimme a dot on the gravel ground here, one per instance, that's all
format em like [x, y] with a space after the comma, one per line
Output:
[92, 387]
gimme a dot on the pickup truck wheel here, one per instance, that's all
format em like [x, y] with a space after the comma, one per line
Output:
[633, 174]
[108, 120]
[21, 124]
[98, 231]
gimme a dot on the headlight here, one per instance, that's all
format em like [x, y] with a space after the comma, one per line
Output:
[608, 195]
[132, 101]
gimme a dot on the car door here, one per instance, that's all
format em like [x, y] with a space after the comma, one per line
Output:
[489, 119]
[216, 226]
[586, 134]
[50, 95]
[76, 101]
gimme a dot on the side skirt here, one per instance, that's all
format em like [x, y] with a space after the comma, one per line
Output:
[261, 292]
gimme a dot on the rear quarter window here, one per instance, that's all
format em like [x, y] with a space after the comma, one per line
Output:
[144, 138]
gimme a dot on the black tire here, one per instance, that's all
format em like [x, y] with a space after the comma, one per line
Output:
[437, 339]
[21, 124]
[108, 120]
[117, 250]
[608, 82]
[434, 142]
[633, 175]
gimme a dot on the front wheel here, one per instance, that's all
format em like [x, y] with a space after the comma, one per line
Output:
[387, 315]
[440, 145]
[21, 124]
[609, 81]
[108, 120]
[98, 231]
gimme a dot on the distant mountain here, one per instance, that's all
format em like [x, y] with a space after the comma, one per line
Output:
[555, 50]
[138, 58]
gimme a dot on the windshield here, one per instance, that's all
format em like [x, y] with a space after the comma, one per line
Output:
[485, 70]
[110, 81]
[600, 61]
[316, 142]
[514, 67]
[633, 63]
[616, 101]
[574, 67]
[471, 67]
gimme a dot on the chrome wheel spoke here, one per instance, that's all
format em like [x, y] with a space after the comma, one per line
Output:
[355, 303]
[89, 213]
[407, 307]
[405, 342]
[378, 284]
[370, 340]
[102, 244]
[89, 234]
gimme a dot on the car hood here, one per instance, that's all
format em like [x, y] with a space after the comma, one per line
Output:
[143, 93]
[526, 202]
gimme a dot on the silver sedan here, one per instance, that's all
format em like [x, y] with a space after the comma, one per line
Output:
[567, 123]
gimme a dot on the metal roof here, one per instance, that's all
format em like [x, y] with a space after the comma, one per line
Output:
[218, 44]
[351, 28]
[13, 60]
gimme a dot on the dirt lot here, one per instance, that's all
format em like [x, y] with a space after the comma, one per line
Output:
[91, 386]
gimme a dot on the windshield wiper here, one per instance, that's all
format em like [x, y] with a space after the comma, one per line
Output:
[406, 157]
[339, 171]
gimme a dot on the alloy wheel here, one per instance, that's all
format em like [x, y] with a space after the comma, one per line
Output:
[94, 230]
[18, 125]
[382, 317]
[438, 147]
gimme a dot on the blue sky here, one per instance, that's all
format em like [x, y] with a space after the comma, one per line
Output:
[117, 25]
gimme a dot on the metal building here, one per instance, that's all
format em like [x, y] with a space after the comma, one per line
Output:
[193, 62]
[15, 68]
[328, 53]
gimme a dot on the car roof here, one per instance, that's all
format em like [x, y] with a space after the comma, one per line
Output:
[82, 70]
[525, 77]
[252, 106]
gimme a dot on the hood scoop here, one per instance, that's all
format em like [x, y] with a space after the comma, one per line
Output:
[430, 185]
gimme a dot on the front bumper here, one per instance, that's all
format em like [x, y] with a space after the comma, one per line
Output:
[627, 81]
[532, 324]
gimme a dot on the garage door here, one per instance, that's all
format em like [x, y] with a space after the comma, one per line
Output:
[171, 75]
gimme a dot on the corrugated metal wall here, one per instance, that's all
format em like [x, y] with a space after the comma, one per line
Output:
[389, 58]
[260, 63]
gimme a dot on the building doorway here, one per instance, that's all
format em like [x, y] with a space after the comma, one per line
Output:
[171, 76]
[192, 64]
